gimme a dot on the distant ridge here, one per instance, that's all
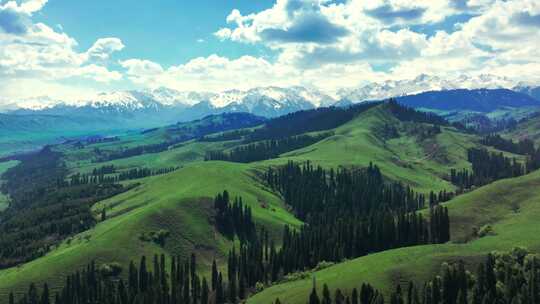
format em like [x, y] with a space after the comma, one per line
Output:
[480, 100]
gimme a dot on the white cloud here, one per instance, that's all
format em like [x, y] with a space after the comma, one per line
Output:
[26, 7]
[38, 54]
[103, 48]
[318, 43]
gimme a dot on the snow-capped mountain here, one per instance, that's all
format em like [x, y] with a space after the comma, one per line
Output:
[160, 106]
[422, 83]
[171, 97]
[156, 107]
[281, 97]
[267, 101]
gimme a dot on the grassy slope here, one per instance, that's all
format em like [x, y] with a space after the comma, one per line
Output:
[530, 128]
[511, 206]
[3, 167]
[420, 164]
[175, 157]
[179, 201]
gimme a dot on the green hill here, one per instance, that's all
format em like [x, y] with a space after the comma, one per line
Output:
[181, 201]
[422, 162]
[3, 198]
[528, 128]
[511, 207]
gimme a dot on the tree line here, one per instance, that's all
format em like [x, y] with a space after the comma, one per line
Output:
[226, 136]
[305, 121]
[405, 113]
[267, 149]
[486, 167]
[109, 175]
[347, 214]
[508, 277]
[42, 210]
[104, 156]
[523, 147]
[233, 219]
[309, 190]
[147, 282]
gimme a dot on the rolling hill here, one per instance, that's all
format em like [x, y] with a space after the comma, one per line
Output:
[181, 201]
[510, 206]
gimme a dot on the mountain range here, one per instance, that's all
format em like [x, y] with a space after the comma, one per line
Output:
[161, 106]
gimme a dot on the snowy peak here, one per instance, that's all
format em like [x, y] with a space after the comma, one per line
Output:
[423, 83]
[281, 96]
[171, 97]
[36, 103]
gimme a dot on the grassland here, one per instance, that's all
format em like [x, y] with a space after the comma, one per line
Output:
[511, 207]
[421, 163]
[180, 202]
[529, 128]
[4, 200]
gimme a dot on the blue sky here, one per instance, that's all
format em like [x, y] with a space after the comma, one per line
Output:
[73, 49]
[165, 31]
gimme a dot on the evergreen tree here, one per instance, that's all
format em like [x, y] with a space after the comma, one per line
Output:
[204, 292]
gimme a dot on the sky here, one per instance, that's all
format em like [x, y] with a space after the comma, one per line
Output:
[69, 49]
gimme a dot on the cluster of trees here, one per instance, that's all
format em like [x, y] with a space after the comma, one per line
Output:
[440, 197]
[512, 277]
[334, 237]
[103, 156]
[486, 167]
[480, 123]
[107, 175]
[80, 144]
[99, 140]
[404, 113]
[307, 121]
[267, 149]
[233, 219]
[523, 146]
[310, 190]
[177, 283]
[28, 233]
[348, 213]
[226, 136]
[367, 295]
[42, 211]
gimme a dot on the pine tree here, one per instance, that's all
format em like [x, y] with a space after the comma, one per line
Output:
[313, 298]
[326, 295]
[220, 297]
[214, 275]
[204, 292]
[45, 295]
[354, 296]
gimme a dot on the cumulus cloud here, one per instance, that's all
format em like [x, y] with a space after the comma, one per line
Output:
[103, 48]
[323, 43]
[312, 34]
[36, 53]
